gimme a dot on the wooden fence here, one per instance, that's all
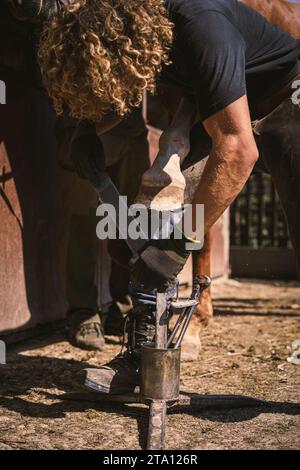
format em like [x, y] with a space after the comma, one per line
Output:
[259, 240]
[257, 219]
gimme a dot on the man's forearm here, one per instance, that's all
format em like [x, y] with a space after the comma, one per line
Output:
[223, 178]
[231, 160]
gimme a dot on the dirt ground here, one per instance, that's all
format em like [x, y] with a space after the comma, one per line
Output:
[244, 351]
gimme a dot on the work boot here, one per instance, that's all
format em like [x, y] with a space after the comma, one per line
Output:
[121, 375]
[85, 330]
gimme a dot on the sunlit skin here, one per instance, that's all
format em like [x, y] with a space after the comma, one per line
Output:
[232, 158]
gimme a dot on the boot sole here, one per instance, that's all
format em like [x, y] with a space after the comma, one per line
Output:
[109, 390]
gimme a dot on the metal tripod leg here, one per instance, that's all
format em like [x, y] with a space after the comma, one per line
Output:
[157, 425]
[166, 372]
[158, 408]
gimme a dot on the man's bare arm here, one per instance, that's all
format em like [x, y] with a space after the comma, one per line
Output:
[233, 155]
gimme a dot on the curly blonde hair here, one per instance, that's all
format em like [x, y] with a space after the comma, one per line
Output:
[99, 56]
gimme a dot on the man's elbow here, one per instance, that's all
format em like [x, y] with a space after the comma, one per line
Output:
[243, 153]
[248, 157]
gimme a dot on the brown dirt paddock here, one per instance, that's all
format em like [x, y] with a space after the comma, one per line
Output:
[245, 351]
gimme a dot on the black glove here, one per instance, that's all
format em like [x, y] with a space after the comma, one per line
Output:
[87, 152]
[159, 263]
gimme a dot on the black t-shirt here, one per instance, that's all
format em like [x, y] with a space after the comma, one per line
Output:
[223, 50]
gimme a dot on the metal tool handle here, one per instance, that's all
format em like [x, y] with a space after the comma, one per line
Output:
[109, 194]
[200, 284]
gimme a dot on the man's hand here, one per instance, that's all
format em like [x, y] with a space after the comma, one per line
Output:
[231, 160]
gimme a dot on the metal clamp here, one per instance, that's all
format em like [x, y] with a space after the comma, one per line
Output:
[188, 307]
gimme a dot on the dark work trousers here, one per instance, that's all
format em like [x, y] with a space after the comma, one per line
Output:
[126, 153]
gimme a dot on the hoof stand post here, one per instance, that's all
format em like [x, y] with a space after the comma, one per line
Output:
[160, 373]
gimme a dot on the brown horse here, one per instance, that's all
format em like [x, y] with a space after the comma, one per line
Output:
[287, 16]
[282, 13]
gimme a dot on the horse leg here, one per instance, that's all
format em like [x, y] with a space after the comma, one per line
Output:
[191, 345]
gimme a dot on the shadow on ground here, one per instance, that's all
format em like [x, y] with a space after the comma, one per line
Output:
[26, 381]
